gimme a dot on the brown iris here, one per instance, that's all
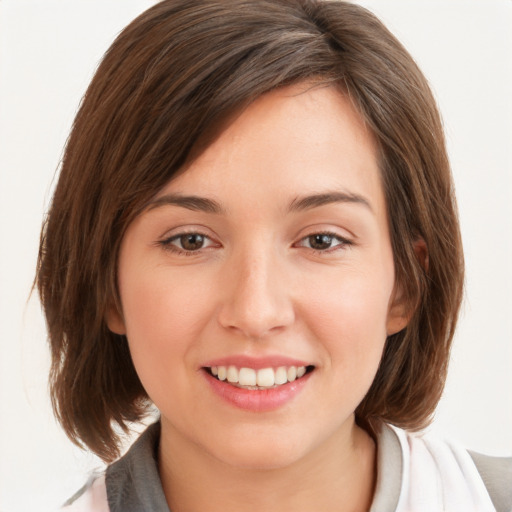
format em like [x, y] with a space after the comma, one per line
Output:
[191, 241]
[320, 241]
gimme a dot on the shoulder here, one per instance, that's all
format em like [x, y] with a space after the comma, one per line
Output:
[130, 484]
[496, 473]
[432, 466]
[92, 497]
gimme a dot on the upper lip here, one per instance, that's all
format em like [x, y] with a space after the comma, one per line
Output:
[244, 361]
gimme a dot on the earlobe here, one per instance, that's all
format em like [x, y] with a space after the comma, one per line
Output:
[400, 311]
[115, 321]
[398, 317]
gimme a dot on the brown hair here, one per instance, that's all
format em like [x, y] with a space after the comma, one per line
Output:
[169, 78]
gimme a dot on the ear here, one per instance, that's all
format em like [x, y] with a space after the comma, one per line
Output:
[115, 320]
[399, 314]
[400, 311]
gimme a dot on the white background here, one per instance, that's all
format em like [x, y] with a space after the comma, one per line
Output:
[48, 52]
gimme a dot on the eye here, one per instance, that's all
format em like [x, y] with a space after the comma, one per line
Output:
[323, 242]
[187, 242]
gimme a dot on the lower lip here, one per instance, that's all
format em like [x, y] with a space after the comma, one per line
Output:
[258, 400]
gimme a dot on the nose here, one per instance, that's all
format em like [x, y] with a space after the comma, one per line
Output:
[257, 295]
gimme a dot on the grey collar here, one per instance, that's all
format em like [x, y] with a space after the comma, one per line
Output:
[389, 471]
[133, 483]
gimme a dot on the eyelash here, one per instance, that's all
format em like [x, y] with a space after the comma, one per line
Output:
[168, 245]
[343, 242]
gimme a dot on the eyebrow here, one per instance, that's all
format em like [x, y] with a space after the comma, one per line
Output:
[195, 203]
[316, 200]
[203, 204]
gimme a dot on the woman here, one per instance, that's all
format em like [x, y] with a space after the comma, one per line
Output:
[255, 230]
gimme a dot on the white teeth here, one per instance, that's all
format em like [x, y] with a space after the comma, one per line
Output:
[232, 374]
[266, 377]
[281, 377]
[262, 378]
[247, 377]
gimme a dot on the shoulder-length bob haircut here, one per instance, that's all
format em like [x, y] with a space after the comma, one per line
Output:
[166, 85]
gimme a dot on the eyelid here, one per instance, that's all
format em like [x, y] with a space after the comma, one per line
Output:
[175, 234]
[179, 235]
[186, 229]
[344, 242]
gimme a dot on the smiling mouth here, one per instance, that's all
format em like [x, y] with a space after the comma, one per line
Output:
[263, 378]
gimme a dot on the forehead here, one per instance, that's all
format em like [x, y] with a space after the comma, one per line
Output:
[295, 140]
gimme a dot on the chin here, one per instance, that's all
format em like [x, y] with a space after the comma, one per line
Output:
[261, 453]
[258, 461]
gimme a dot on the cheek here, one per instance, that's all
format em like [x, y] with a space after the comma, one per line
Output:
[164, 317]
[349, 318]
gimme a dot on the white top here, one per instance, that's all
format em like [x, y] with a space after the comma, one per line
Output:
[91, 498]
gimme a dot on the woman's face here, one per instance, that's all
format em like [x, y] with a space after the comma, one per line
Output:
[269, 256]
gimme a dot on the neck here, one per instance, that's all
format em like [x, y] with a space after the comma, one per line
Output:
[337, 475]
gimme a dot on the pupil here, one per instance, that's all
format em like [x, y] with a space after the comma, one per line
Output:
[192, 242]
[320, 241]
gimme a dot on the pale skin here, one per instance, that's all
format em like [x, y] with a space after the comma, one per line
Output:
[291, 257]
